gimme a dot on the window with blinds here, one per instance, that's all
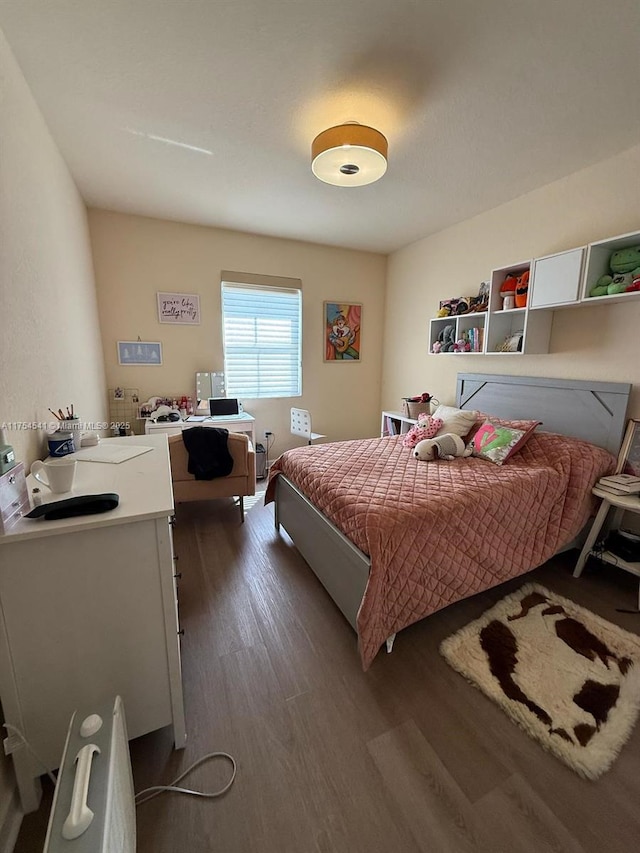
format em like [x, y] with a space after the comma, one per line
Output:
[262, 340]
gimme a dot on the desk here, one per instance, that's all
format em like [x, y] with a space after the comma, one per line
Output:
[620, 504]
[239, 423]
[88, 610]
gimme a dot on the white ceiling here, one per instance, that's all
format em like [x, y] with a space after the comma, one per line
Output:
[480, 101]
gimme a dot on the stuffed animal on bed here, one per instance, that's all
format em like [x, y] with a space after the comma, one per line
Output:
[427, 427]
[446, 446]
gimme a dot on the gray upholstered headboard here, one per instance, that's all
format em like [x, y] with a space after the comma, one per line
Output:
[594, 411]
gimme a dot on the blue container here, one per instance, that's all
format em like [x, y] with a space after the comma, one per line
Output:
[61, 443]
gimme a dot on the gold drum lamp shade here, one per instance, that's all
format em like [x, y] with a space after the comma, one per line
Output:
[349, 155]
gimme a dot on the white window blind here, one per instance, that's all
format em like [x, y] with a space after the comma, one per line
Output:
[262, 342]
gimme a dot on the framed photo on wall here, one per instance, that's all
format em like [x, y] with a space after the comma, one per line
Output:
[342, 331]
[629, 456]
[139, 352]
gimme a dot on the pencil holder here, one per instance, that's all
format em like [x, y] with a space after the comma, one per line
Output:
[60, 442]
[74, 426]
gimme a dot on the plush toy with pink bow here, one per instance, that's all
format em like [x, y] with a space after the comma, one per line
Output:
[427, 427]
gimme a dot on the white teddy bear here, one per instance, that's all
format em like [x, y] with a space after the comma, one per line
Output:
[446, 446]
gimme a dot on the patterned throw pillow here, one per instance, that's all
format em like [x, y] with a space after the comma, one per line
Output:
[427, 427]
[513, 423]
[498, 443]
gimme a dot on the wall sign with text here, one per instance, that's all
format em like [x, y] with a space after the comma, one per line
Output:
[179, 308]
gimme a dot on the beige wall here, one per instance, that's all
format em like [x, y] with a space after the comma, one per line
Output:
[599, 343]
[135, 257]
[51, 352]
[50, 348]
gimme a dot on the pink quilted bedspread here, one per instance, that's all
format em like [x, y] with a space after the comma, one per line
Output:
[437, 532]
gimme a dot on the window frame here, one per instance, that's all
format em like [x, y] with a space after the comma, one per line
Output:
[262, 350]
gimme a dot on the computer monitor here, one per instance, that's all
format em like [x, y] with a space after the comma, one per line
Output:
[223, 406]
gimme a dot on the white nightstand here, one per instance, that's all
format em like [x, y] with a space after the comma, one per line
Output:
[620, 504]
[395, 423]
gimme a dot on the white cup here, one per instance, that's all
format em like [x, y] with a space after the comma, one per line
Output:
[57, 474]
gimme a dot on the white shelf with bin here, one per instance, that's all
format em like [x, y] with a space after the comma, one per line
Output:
[462, 324]
[558, 281]
[500, 325]
[565, 279]
[395, 423]
[504, 324]
[597, 264]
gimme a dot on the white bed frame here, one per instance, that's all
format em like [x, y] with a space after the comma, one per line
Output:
[594, 411]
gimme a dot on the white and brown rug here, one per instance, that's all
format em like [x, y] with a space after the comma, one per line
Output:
[570, 679]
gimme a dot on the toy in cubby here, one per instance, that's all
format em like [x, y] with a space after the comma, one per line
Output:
[624, 276]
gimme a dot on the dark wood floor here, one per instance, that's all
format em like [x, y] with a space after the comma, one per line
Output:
[406, 758]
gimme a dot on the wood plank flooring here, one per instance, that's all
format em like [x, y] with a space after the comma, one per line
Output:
[406, 758]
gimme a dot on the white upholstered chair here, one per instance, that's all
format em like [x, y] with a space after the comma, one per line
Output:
[301, 425]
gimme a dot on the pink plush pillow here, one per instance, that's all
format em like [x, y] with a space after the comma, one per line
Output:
[427, 427]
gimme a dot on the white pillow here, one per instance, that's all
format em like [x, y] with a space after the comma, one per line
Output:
[457, 421]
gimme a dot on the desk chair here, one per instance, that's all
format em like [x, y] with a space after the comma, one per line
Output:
[301, 425]
[240, 482]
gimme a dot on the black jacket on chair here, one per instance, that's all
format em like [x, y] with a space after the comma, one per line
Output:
[209, 455]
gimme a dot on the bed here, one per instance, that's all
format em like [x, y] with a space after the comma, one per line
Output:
[393, 539]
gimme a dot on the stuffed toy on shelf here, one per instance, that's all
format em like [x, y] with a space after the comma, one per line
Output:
[624, 277]
[508, 291]
[446, 340]
[522, 289]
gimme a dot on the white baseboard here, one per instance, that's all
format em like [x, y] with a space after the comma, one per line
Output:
[11, 824]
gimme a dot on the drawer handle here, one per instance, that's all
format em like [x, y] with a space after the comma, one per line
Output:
[181, 632]
[178, 575]
[80, 815]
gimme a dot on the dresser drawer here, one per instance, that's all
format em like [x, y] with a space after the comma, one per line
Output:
[14, 496]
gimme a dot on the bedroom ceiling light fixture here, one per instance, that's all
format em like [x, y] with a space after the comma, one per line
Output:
[349, 155]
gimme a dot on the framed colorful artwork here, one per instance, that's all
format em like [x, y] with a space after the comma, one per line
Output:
[342, 331]
[629, 456]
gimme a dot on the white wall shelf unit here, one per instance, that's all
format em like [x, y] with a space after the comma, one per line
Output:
[463, 324]
[559, 281]
[597, 264]
[556, 279]
[500, 326]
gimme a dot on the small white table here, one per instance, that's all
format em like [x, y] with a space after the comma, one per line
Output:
[234, 423]
[620, 504]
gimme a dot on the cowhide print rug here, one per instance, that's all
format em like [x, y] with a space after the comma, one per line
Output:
[570, 679]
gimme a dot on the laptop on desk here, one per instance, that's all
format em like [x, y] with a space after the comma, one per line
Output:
[224, 407]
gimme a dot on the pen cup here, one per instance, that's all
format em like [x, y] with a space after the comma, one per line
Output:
[74, 426]
[60, 443]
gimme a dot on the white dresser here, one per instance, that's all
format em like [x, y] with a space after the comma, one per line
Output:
[88, 610]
